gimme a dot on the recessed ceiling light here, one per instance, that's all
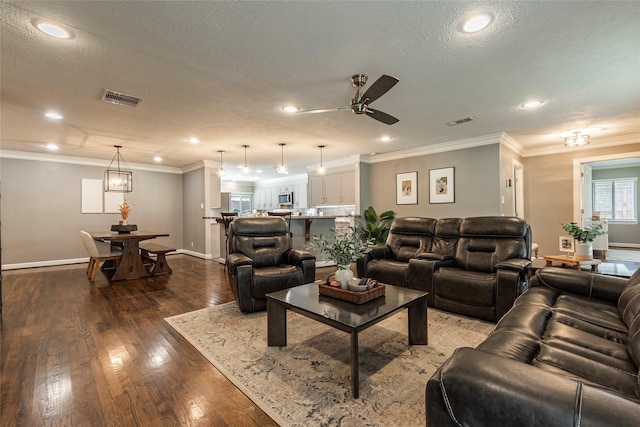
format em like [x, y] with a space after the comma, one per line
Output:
[290, 109]
[193, 140]
[385, 138]
[51, 147]
[53, 30]
[53, 115]
[532, 104]
[476, 23]
[157, 159]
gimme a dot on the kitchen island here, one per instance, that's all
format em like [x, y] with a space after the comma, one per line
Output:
[304, 227]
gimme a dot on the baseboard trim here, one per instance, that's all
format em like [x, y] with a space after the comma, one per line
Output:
[71, 261]
[624, 245]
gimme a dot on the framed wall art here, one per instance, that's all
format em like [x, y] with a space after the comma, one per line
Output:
[442, 185]
[407, 188]
[566, 244]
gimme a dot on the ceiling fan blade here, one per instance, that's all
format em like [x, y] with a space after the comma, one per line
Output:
[379, 88]
[381, 117]
[322, 110]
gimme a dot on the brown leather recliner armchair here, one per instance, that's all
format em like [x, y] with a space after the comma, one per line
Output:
[261, 260]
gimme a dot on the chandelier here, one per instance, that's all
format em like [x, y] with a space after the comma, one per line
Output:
[118, 177]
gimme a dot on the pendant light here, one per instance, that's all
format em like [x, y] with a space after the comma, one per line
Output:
[221, 172]
[282, 168]
[245, 168]
[118, 178]
[321, 169]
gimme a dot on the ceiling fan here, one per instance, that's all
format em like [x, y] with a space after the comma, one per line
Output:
[360, 102]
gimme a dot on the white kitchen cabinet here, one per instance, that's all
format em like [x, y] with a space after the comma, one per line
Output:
[300, 196]
[333, 189]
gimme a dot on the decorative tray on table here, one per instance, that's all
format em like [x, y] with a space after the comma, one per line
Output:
[359, 297]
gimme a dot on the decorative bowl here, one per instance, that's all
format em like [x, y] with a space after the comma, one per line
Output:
[358, 288]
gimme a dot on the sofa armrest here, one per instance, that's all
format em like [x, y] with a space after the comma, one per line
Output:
[582, 283]
[379, 252]
[375, 252]
[296, 256]
[518, 264]
[236, 259]
[474, 388]
[421, 275]
[434, 256]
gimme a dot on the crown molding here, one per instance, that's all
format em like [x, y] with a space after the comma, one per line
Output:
[494, 138]
[84, 161]
[633, 138]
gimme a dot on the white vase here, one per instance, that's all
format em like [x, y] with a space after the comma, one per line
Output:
[584, 251]
[344, 274]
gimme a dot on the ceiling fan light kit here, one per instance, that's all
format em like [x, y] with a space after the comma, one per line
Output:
[360, 102]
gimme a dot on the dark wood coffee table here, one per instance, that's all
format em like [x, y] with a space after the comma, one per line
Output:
[346, 316]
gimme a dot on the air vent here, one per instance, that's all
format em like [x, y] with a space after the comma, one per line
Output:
[113, 97]
[459, 122]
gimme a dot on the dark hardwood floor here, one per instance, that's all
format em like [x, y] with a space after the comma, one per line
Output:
[73, 353]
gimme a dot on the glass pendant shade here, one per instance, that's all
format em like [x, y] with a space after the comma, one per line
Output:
[282, 168]
[321, 169]
[221, 172]
[118, 177]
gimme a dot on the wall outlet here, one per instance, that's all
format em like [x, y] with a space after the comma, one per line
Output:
[191, 244]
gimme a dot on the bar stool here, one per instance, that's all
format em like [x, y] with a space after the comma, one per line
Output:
[227, 217]
[286, 215]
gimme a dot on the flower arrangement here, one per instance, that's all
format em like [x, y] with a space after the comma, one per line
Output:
[342, 248]
[583, 235]
[125, 210]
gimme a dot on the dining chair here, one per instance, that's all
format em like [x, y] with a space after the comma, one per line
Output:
[99, 252]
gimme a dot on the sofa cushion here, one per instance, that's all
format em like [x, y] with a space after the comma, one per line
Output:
[446, 237]
[410, 236]
[469, 287]
[275, 278]
[389, 271]
[575, 336]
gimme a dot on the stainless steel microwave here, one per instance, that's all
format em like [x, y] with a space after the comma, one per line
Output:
[285, 198]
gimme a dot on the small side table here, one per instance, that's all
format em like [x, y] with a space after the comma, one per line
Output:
[574, 263]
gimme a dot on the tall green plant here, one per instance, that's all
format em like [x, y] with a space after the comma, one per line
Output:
[376, 229]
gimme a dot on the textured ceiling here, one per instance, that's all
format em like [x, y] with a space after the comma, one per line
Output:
[221, 71]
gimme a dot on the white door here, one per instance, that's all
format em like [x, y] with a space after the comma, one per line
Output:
[586, 201]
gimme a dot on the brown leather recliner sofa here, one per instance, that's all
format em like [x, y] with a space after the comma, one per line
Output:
[474, 266]
[261, 260]
[566, 354]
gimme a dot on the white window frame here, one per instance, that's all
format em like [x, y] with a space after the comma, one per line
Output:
[613, 201]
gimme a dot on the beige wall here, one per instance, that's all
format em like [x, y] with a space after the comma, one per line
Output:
[41, 209]
[477, 183]
[549, 191]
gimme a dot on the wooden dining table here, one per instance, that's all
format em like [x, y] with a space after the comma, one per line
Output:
[131, 265]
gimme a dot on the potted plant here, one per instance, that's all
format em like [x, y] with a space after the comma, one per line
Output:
[343, 249]
[584, 238]
[376, 229]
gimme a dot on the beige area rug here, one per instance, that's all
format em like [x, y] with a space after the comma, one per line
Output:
[308, 381]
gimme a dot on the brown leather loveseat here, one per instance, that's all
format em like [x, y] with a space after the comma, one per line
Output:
[566, 354]
[474, 266]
